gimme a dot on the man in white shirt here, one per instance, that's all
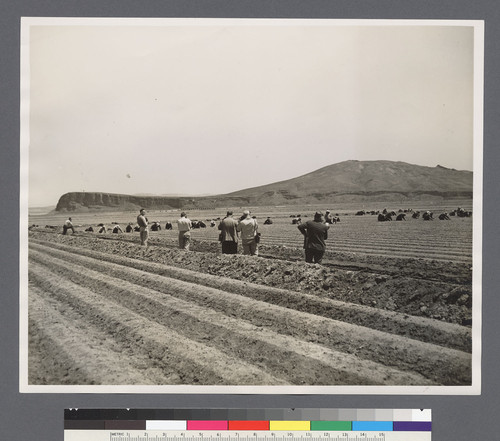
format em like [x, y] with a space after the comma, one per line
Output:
[68, 225]
[248, 228]
[142, 221]
[184, 225]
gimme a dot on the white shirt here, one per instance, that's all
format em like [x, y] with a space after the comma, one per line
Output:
[248, 228]
[184, 224]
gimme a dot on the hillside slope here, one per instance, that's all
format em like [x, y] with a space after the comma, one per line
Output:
[348, 181]
[359, 179]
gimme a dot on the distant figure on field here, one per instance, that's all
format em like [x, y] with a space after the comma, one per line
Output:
[117, 229]
[155, 226]
[184, 225]
[229, 234]
[428, 215]
[142, 221]
[329, 218]
[248, 227]
[68, 225]
[315, 233]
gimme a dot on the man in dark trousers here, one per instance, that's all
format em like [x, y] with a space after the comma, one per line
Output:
[228, 234]
[68, 225]
[315, 232]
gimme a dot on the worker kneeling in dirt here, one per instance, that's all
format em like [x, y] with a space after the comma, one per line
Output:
[68, 225]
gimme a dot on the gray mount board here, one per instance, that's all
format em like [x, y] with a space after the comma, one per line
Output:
[40, 417]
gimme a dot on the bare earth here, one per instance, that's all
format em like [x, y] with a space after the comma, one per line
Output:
[103, 310]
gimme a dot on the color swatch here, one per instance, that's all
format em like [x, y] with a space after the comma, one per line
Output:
[325, 420]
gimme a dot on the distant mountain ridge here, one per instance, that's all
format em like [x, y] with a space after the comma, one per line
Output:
[348, 181]
[367, 179]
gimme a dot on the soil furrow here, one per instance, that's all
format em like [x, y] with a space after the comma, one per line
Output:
[415, 287]
[453, 366]
[406, 251]
[299, 362]
[194, 362]
[388, 243]
[430, 249]
[77, 351]
[48, 363]
[445, 252]
[436, 332]
[331, 260]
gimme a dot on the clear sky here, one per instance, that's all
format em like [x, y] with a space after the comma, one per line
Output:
[218, 106]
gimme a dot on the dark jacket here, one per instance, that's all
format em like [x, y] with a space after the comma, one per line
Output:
[228, 227]
[315, 233]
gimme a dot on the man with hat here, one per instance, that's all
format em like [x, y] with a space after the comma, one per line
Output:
[184, 225]
[315, 233]
[229, 234]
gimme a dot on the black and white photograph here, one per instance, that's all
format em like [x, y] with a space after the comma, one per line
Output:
[251, 206]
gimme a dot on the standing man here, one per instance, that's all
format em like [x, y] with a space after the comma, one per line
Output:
[142, 221]
[68, 225]
[229, 234]
[184, 225]
[248, 228]
[315, 232]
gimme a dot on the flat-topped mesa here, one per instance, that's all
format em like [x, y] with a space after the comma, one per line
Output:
[97, 201]
[89, 201]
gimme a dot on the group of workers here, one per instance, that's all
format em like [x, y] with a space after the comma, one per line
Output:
[183, 223]
[245, 228]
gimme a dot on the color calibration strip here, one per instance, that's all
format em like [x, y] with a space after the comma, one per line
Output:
[379, 426]
[248, 424]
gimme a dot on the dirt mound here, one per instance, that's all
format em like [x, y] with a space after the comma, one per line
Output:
[173, 317]
[417, 287]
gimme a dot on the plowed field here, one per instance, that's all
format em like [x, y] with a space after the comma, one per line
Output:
[103, 310]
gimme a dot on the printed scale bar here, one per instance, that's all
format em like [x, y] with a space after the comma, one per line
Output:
[106, 435]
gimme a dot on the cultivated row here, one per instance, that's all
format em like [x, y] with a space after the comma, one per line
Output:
[233, 338]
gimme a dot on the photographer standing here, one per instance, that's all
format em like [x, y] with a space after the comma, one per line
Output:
[315, 233]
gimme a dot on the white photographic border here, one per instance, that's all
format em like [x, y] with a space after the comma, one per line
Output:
[474, 389]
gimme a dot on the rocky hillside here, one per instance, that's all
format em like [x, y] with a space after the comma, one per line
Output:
[349, 181]
[366, 180]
